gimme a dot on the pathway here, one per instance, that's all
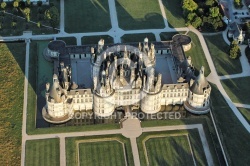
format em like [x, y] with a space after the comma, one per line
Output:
[135, 152]
[26, 83]
[242, 105]
[214, 78]
[62, 17]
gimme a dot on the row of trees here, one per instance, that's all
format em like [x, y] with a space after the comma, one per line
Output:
[204, 14]
[19, 7]
[234, 51]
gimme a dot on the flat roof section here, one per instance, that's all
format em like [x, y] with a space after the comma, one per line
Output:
[165, 66]
[81, 72]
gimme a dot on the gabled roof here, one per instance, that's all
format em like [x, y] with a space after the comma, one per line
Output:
[234, 29]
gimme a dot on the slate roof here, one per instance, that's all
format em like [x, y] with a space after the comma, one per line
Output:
[200, 83]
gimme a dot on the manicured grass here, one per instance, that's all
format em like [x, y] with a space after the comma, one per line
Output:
[137, 37]
[12, 64]
[219, 53]
[246, 113]
[42, 152]
[139, 14]
[235, 137]
[172, 150]
[197, 54]
[95, 39]
[87, 16]
[208, 127]
[165, 36]
[68, 40]
[99, 153]
[238, 89]
[31, 106]
[105, 152]
[174, 13]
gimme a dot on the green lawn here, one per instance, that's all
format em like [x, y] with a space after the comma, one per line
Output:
[137, 37]
[197, 54]
[99, 153]
[238, 89]
[68, 40]
[45, 69]
[139, 14]
[12, 65]
[235, 138]
[95, 39]
[172, 150]
[87, 16]
[174, 12]
[165, 36]
[31, 106]
[42, 152]
[219, 52]
[246, 113]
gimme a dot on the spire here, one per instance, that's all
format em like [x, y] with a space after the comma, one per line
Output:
[56, 90]
[200, 83]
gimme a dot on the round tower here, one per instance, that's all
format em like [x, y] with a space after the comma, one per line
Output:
[55, 110]
[199, 95]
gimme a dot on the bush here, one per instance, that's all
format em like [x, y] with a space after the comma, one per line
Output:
[234, 51]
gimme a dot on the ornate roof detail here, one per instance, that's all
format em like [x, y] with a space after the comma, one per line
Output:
[200, 83]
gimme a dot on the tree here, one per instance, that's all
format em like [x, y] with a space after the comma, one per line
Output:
[26, 12]
[189, 5]
[214, 12]
[52, 15]
[209, 2]
[234, 51]
[191, 16]
[39, 24]
[3, 5]
[13, 24]
[15, 4]
[39, 3]
[197, 22]
[28, 2]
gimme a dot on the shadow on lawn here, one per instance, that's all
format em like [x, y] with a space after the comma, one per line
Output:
[127, 22]
[175, 7]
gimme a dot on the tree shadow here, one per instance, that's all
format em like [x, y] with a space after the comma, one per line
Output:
[175, 9]
[127, 22]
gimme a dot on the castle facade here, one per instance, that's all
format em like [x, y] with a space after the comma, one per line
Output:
[124, 75]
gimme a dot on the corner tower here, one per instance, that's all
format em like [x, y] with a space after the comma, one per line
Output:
[199, 95]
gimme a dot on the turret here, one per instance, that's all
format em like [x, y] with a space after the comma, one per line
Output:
[55, 91]
[100, 45]
[199, 95]
[145, 44]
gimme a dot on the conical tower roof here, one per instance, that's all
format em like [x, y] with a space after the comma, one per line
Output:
[56, 90]
[200, 83]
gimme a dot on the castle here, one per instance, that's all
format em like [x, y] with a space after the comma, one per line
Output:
[124, 75]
